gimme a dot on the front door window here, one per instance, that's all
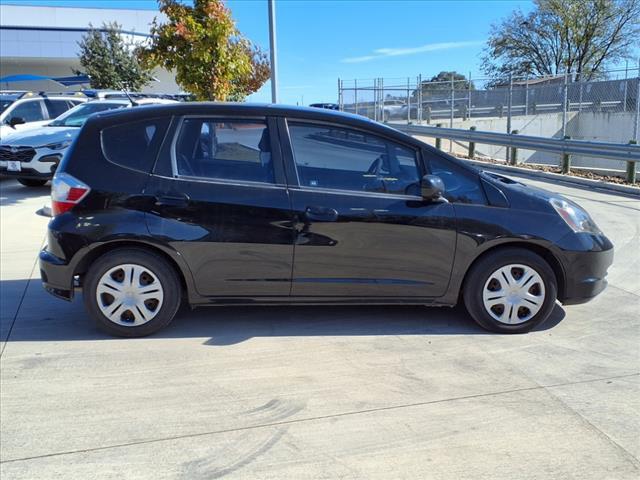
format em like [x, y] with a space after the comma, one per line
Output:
[344, 159]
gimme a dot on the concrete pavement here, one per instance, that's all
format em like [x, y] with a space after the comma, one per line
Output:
[318, 392]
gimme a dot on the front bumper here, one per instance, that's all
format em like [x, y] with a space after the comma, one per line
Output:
[585, 275]
[57, 276]
[41, 167]
[29, 173]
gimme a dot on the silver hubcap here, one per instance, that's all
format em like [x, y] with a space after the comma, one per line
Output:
[513, 294]
[129, 295]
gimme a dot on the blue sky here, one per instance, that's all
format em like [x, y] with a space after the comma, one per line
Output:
[319, 41]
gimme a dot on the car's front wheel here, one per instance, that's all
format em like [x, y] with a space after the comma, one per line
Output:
[510, 290]
[31, 182]
[131, 292]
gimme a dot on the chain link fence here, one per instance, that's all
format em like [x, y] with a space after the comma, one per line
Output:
[555, 106]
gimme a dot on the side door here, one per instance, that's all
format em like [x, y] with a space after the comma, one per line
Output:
[362, 228]
[221, 201]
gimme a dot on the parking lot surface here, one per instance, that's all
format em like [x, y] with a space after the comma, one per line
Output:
[318, 392]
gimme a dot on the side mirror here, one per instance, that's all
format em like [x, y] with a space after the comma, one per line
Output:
[13, 121]
[431, 187]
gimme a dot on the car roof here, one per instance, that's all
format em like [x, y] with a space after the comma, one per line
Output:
[125, 101]
[115, 101]
[28, 94]
[10, 96]
[154, 100]
[248, 109]
[258, 109]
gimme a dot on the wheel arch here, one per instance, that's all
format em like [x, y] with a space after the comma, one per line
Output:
[546, 254]
[171, 257]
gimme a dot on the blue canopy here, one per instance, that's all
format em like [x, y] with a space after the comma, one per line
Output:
[22, 78]
[66, 81]
[74, 80]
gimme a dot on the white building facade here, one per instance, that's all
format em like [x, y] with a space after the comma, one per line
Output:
[43, 41]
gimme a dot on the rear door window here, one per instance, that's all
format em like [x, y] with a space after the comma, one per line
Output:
[224, 149]
[134, 145]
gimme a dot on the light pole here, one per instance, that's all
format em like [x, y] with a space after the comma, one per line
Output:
[272, 48]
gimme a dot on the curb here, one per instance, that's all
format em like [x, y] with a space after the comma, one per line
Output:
[604, 187]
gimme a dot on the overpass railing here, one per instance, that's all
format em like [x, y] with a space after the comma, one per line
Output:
[566, 147]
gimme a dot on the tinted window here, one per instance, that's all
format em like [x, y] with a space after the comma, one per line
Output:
[224, 149]
[460, 185]
[135, 144]
[56, 107]
[345, 159]
[29, 111]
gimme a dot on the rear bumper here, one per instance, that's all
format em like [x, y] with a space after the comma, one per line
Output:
[585, 275]
[56, 275]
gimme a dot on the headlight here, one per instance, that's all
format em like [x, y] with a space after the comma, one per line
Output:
[574, 216]
[58, 146]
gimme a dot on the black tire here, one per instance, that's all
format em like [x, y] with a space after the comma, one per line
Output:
[479, 275]
[32, 182]
[165, 274]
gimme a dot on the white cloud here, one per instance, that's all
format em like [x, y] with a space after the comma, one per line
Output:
[366, 58]
[395, 52]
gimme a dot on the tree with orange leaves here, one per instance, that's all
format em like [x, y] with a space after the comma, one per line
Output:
[211, 58]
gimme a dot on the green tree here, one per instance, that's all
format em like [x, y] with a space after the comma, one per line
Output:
[110, 61]
[441, 83]
[211, 58]
[581, 36]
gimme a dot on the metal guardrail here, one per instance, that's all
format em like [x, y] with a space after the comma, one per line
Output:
[614, 151]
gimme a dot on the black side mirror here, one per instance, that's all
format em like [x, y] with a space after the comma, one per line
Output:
[13, 121]
[431, 187]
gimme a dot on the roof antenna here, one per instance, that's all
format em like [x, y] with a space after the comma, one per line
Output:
[133, 102]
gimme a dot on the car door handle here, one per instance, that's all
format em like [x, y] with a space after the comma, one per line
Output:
[172, 200]
[321, 214]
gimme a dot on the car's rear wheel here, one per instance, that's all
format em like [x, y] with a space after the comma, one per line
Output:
[131, 292]
[510, 290]
[31, 182]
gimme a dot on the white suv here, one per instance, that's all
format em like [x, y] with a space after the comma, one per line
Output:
[23, 110]
[32, 156]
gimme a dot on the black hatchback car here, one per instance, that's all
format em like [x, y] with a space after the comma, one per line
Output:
[224, 204]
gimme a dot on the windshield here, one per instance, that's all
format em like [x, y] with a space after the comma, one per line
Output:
[5, 102]
[78, 115]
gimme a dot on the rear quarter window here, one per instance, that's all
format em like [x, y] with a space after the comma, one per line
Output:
[57, 107]
[134, 145]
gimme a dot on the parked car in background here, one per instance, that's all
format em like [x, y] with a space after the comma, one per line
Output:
[115, 94]
[32, 156]
[393, 109]
[24, 110]
[222, 204]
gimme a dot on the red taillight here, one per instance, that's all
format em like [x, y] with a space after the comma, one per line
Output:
[60, 207]
[66, 192]
[76, 193]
